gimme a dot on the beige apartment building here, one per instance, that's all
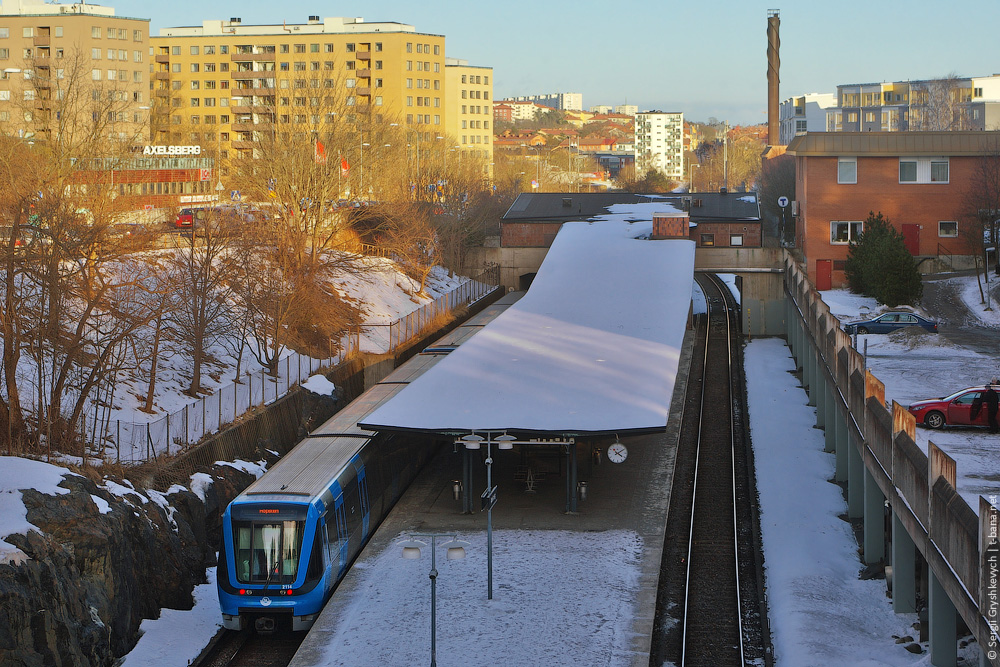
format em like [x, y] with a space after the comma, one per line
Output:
[231, 86]
[469, 110]
[66, 63]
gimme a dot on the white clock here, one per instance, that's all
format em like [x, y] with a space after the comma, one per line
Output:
[617, 453]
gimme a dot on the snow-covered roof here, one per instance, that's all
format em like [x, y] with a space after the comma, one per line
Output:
[593, 347]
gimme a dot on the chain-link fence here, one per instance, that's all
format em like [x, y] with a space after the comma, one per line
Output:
[137, 442]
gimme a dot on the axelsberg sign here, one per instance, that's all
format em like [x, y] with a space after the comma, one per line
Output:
[171, 150]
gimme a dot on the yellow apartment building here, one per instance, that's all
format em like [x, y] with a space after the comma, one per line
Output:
[62, 64]
[469, 110]
[230, 86]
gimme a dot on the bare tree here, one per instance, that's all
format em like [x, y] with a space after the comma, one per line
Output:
[940, 104]
[981, 209]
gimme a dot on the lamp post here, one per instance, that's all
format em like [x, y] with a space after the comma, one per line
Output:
[473, 441]
[411, 551]
[693, 167]
[361, 182]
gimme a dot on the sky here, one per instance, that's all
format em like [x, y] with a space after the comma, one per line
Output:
[704, 60]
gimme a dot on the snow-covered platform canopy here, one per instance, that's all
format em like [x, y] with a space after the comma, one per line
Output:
[591, 349]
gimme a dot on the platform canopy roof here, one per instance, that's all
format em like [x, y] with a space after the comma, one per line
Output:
[592, 347]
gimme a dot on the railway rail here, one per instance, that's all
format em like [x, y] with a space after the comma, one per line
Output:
[709, 608]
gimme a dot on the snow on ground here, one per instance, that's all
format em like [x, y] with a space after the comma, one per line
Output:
[177, 637]
[17, 473]
[382, 293]
[821, 612]
[915, 366]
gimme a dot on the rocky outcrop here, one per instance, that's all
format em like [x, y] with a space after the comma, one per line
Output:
[92, 576]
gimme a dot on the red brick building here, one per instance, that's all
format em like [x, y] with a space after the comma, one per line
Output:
[712, 219]
[918, 180]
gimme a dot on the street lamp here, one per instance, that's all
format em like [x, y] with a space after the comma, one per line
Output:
[473, 441]
[693, 167]
[411, 551]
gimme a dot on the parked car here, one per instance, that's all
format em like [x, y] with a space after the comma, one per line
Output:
[963, 408]
[889, 322]
[186, 217]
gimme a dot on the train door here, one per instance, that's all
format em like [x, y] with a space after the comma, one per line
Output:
[340, 541]
[363, 501]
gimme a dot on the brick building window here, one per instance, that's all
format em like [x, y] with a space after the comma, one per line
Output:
[948, 228]
[707, 240]
[843, 232]
[847, 170]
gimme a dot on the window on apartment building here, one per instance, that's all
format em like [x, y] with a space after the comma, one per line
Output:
[378, 83]
[948, 228]
[843, 232]
[378, 46]
[300, 48]
[707, 240]
[378, 100]
[314, 48]
[299, 66]
[137, 56]
[939, 171]
[175, 50]
[95, 32]
[209, 50]
[111, 33]
[314, 66]
[4, 33]
[95, 53]
[175, 85]
[409, 47]
[194, 50]
[350, 65]
[847, 170]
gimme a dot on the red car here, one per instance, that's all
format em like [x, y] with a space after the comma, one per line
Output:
[955, 410]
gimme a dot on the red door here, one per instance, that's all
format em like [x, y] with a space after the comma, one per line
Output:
[824, 274]
[911, 238]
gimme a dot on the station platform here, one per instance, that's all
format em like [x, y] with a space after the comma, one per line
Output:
[632, 496]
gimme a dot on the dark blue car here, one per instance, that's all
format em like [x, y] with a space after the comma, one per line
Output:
[889, 322]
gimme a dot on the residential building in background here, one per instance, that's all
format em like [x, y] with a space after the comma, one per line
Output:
[601, 109]
[560, 101]
[627, 109]
[46, 49]
[804, 113]
[960, 103]
[469, 108]
[659, 143]
[515, 110]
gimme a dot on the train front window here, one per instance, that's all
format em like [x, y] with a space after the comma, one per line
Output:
[267, 552]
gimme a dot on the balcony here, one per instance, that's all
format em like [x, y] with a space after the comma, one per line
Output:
[161, 76]
[161, 58]
[162, 92]
[41, 40]
[366, 91]
[364, 73]
[363, 55]
[244, 127]
[252, 57]
[241, 109]
[243, 145]
[252, 75]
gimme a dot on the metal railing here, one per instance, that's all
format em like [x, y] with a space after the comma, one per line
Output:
[133, 443]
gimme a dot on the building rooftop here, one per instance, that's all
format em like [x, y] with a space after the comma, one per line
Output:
[545, 207]
[895, 143]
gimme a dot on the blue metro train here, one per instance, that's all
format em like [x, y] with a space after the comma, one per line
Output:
[289, 538]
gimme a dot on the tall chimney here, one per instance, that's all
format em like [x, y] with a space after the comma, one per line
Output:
[773, 64]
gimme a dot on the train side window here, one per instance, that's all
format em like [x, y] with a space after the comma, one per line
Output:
[315, 570]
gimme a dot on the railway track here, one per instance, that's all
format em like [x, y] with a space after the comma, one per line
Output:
[709, 610]
[248, 649]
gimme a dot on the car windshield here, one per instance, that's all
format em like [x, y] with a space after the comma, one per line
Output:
[952, 397]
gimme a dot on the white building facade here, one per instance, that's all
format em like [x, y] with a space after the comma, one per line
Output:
[659, 143]
[805, 113]
[560, 101]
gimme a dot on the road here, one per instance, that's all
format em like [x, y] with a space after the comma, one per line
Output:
[942, 302]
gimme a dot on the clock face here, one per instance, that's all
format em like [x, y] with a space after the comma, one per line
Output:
[617, 453]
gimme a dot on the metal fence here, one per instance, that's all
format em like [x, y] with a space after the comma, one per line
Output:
[138, 442]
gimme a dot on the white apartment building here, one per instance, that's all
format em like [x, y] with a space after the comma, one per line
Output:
[627, 109]
[805, 113]
[560, 101]
[659, 143]
[601, 108]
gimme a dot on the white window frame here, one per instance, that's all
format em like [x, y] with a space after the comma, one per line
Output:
[950, 232]
[736, 240]
[924, 170]
[840, 175]
[854, 228]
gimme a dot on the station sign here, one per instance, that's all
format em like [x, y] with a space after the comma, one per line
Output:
[171, 150]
